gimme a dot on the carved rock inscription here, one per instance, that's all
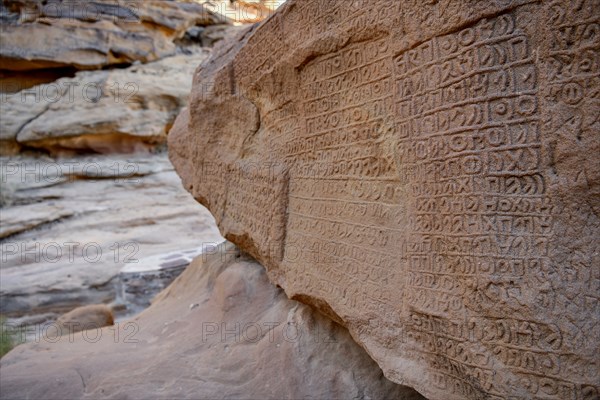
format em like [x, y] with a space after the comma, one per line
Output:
[425, 173]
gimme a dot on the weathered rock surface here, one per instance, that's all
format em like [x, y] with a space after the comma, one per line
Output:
[93, 316]
[425, 173]
[68, 227]
[139, 283]
[93, 34]
[241, 339]
[121, 110]
[20, 219]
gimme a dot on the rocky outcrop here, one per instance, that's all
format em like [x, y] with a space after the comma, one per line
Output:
[424, 173]
[121, 110]
[94, 34]
[221, 331]
[46, 104]
[68, 227]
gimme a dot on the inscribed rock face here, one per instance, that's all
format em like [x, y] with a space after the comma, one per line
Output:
[425, 173]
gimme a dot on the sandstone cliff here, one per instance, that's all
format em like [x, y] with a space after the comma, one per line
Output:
[138, 59]
[69, 226]
[40, 34]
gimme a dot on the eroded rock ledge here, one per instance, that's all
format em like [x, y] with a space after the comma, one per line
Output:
[425, 173]
[87, 35]
[116, 111]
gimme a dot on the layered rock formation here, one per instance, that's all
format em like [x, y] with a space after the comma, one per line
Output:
[424, 173]
[69, 227]
[93, 34]
[121, 110]
[47, 104]
[221, 331]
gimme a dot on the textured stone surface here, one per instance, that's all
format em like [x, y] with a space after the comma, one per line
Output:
[68, 227]
[221, 331]
[94, 316]
[139, 283]
[425, 173]
[92, 34]
[121, 110]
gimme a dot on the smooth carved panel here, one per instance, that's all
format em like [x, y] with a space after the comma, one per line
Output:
[425, 173]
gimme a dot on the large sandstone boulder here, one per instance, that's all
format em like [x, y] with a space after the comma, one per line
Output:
[120, 110]
[221, 331]
[424, 173]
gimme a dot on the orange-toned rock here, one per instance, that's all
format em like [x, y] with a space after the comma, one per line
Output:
[94, 316]
[425, 173]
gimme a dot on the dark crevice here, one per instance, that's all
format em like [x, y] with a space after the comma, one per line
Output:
[15, 81]
[122, 65]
